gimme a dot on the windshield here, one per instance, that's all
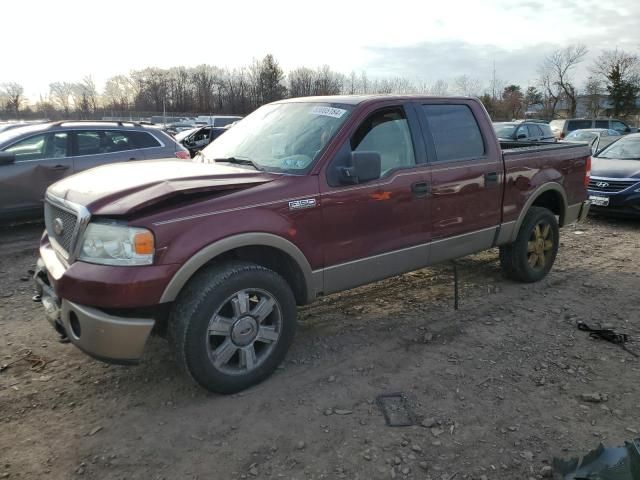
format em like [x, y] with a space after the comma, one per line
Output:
[280, 137]
[504, 130]
[581, 136]
[627, 148]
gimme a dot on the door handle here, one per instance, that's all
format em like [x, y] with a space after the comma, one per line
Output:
[59, 167]
[490, 178]
[420, 189]
[132, 158]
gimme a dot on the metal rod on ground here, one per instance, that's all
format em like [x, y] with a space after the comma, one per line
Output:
[455, 285]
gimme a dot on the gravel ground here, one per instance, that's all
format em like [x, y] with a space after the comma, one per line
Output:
[497, 388]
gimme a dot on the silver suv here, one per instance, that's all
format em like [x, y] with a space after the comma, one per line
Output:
[33, 157]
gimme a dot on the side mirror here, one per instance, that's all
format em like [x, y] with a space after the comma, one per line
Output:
[627, 130]
[7, 158]
[521, 136]
[365, 166]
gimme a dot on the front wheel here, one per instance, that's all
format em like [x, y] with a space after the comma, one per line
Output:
[532, 255]
[233, 325]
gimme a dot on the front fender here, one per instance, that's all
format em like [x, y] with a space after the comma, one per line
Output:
[208, 253]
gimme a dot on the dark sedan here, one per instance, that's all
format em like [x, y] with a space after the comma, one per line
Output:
[615, 178]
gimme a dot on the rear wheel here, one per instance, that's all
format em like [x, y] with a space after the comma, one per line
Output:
[532, 255]
[233, 325]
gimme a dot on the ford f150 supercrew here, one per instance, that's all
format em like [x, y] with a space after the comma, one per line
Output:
[302, 198]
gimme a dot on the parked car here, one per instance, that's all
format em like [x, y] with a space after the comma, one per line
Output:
[303, 198]
[523, 131]
[174, 128]
[218, 120]
[597, 138]
[615, 182]
[196, 139]
[11, 125]
[562, 127]
[34, 157]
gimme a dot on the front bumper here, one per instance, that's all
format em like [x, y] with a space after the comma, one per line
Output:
[624, 204]
[106, 337]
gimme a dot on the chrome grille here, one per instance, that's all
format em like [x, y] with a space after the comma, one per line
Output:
[64, 239]
[610, 186]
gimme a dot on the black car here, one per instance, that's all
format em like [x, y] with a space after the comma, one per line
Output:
[196, 139]
[523, 131]
[615, 178]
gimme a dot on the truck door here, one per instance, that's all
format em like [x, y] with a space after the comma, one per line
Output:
[466, 178]
[379, 228]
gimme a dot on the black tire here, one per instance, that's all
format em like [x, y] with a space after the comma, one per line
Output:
[516, 259]
[212, 291]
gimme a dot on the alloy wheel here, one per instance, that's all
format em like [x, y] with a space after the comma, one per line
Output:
[243, 332]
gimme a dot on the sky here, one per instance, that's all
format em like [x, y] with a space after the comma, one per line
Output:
[423, 41]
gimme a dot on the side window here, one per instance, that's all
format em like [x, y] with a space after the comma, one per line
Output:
[95, 142]
[546, 130]
[455, 132]
[386, 132]
[40, 147]
[618, 126]
[202, 134]
[143, 140]
[520, 131]
[535, 131]
[602, 123]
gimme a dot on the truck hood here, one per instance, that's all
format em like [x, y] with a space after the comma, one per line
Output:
[123, 188]
[613, 168]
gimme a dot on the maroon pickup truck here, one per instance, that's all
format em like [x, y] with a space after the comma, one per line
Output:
[302, 198]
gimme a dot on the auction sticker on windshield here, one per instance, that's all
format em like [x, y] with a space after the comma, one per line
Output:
[328, 111]
[599, 201]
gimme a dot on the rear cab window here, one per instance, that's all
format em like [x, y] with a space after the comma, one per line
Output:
[455, 132]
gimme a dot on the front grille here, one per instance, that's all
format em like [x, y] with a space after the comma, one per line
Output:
[611, 186]
[55, 215]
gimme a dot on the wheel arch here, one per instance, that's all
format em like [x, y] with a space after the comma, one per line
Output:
[551, 196]
[268, 250]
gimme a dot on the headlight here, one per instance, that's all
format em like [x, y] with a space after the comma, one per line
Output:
[117, 245]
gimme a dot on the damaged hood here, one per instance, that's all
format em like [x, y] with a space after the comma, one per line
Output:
[123, 188]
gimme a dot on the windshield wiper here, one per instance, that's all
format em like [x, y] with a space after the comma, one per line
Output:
[239, 161]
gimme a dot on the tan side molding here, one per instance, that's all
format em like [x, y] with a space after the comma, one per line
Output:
[216, 249]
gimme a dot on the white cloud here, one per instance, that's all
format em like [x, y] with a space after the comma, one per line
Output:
[46, 41]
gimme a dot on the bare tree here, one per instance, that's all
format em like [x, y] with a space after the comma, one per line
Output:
[14, 96]
[559, 67]
[627, 63]
[594, 92]
[551, 93]
[118, 93]
[619, 72]
[467, 86]
[513, 100]
[61, 93]
[440, 88]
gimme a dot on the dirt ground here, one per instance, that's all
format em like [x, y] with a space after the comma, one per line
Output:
[496, 387]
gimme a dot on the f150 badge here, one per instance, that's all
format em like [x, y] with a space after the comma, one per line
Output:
[300, 204]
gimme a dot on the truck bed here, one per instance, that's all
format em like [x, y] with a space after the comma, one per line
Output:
[516, 148]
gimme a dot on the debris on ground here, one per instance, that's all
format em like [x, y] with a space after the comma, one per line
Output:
[619, 463]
